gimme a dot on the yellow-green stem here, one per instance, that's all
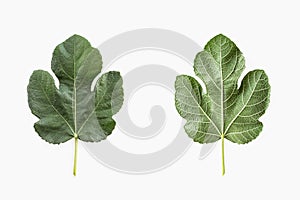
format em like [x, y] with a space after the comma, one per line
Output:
[75, 156]
[223, 160]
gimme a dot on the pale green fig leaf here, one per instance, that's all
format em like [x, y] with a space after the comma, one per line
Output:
[224, 111]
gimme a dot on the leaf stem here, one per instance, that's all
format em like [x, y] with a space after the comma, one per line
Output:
[223, 160]
[75, 155]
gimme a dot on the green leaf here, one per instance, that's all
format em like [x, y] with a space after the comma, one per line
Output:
[224, 111]
[73, 110]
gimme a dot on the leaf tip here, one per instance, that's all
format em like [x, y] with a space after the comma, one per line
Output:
[77, 36]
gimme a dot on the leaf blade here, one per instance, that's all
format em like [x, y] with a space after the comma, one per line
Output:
[251, 103]
[42, 95]
[195, 112]
[76, 64]
[108, 101]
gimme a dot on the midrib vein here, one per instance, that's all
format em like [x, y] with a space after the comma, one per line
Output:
[222, 91]
[74, 91]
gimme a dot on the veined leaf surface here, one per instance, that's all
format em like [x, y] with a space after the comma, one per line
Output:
[225, 111]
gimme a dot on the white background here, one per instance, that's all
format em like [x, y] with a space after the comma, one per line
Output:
[266, 31]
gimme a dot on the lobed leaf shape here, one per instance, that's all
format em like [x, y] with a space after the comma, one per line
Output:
[224, 111]
[74, 110]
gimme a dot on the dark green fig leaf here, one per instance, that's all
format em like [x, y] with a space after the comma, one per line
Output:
[74, 110]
